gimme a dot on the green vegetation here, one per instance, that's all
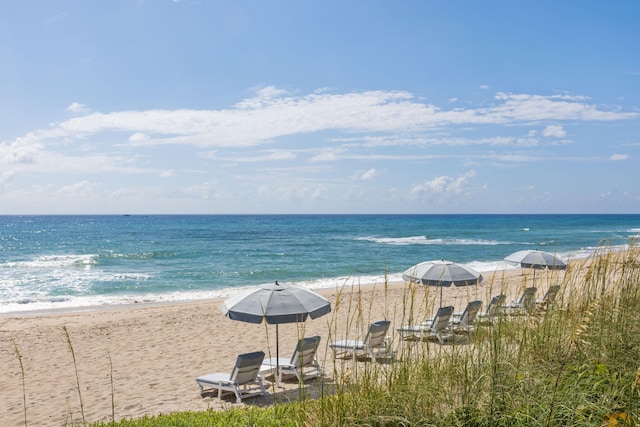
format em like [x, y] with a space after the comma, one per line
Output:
[576, 364]
[278, 415]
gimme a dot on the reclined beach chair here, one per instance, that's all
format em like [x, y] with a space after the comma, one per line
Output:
[523, 305]
[466, 320]
[243, 380]
[493, 311]
[302, 364]
[435, 327]
[374, 344]
[549, 297]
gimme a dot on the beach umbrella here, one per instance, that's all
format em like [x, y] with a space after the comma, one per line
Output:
[442, 273]
[275, 304]
[538, 260]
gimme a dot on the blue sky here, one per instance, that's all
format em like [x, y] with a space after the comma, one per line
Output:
[196, 106]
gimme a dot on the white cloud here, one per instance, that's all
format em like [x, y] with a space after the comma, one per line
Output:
[273, 113]
[263, 97]
[617, 157]
[511, 158]
[606, 196]
[484, 87]
[436, 185]
[5, 176]
[444, 184]
[139, 137]
[419, 140]
[25, 150]
[367, 175]
[524, 107]
[328, 155]
[527, 141]
[292, 192]
[268, 156]
[555, 131]
[77, 108]
[205, 191]
[83, 189]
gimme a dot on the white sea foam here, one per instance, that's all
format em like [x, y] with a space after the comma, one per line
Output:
[635, 233]
[53, 261]
[423, 240]
[70, 303]
[58, 281]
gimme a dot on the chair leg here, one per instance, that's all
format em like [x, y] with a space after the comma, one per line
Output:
[264, 391]
[439, 337]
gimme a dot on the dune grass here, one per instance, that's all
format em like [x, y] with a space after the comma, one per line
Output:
[576, 364]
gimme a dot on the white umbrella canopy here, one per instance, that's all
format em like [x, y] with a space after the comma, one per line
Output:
[442, 273]
[538, 260]
[275, 304]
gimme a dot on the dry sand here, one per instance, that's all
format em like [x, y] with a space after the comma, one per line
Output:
[151, 354]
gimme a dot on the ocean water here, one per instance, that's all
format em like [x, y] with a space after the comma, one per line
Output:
[49, 262]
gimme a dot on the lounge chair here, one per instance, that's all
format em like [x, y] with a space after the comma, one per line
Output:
[523, 305]
[302, 364]
[493, 311]
[466, 320]
[243, 380]
[435, 327]
[374, 344]
[549, 297]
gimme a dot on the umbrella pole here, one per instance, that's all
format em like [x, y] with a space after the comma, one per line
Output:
[277, 358]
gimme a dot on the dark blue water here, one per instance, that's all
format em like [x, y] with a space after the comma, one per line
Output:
[68, 261]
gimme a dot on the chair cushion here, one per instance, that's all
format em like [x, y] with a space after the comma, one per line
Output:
[348, 344]
[214, 378]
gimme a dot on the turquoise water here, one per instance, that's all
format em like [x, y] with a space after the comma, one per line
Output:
[70, 261]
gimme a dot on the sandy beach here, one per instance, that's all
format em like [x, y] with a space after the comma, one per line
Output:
[147, 357]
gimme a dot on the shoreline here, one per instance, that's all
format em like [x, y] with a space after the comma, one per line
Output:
[320, 286]
[371, 282]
